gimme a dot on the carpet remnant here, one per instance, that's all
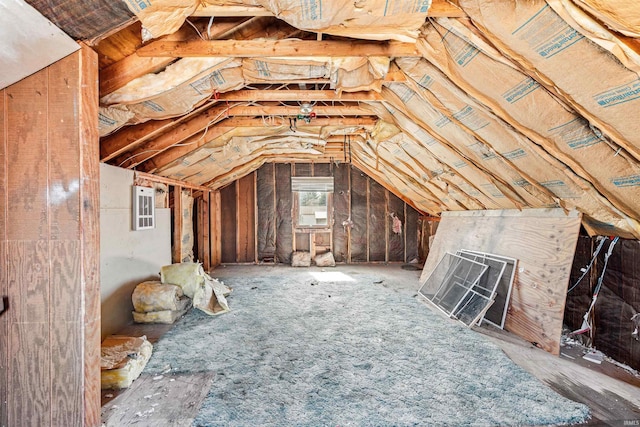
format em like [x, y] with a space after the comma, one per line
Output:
[372, 355]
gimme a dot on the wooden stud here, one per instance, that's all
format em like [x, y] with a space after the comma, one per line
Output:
[255, 216]
[170, 181]
[177, 225]
[368, 218]
[247, 95]
[386, 225]
[350, 219]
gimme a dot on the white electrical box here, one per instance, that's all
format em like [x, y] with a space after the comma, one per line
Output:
[144, 211]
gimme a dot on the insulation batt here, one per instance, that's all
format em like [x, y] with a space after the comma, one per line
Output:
[375, 20]
[122, 360]
[156, 296]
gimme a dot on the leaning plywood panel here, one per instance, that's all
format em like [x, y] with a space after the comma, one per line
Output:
[537, 38]
[542, 240]
[525, 104]
[500, 140]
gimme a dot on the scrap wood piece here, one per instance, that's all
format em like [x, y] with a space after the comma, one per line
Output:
[122, 360]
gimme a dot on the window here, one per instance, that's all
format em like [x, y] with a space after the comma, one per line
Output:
[312, 201]
[143, 208]
[312, 208]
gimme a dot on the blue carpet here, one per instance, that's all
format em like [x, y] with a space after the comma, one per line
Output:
[299, 351]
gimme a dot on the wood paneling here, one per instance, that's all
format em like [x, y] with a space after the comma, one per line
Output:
[27, 158]
[90, 231]
[542, 240]
[228, 223]
[64, 161]
[29, 400]
[246, 218]
[49, 350]
[4, 331]
[28, 278]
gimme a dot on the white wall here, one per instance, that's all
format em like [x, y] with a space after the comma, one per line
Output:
[126, 257]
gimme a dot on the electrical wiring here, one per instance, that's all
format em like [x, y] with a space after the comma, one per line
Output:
[595, 255]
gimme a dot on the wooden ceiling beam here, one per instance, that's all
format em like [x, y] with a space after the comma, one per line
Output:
[190, 137]
[181, 128]
[298, 95]
[278, 48]
[439, 8]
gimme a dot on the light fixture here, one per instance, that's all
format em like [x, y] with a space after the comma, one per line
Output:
[306, 108]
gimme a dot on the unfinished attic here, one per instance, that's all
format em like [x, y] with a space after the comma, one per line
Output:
[320, 213]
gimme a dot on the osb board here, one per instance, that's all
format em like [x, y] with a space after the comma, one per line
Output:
[154, 401]
[542, 240]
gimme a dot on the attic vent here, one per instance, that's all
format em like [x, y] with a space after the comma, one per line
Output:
[316, 183]
[143, 208]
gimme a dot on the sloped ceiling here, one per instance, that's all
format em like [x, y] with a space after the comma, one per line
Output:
[472, 104]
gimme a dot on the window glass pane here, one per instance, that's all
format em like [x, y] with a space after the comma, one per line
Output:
[313, 208]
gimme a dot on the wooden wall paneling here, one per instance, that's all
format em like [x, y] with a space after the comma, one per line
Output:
[27, 158]
[358, 244]
[266, 201]
[411, 234]
[29, 400]
[4, 325]
[216, 227]
[29, 386]
[246, 218]
[396, 240]
[3, 169]
[90, 230]
[228, 224]
[65, 333]
[4, 331]
[284, 231]
[377, 222]
[341, 200]
[542, 240]
[64, 149]
[205, 231]
[177, 225]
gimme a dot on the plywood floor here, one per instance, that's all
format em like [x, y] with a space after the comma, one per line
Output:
[614, 400]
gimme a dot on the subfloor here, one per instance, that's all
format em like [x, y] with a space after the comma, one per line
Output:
[612, 394]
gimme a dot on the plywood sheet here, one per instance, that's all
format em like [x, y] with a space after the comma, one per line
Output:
[542, 240]
[152, 401]
[26, 105]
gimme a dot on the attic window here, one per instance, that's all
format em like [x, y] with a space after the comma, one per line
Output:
[312, 201]
[143, 208]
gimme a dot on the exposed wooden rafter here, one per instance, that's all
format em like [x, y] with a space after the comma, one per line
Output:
[439, 8]
[298, 95]
[279, 48]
